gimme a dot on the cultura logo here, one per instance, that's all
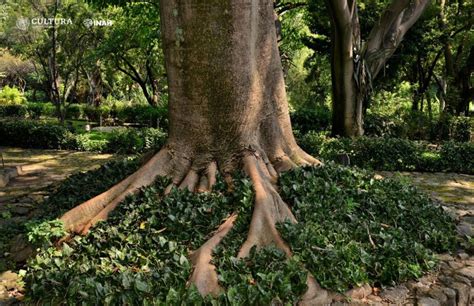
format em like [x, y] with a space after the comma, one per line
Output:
[22, 23]
[50, 21]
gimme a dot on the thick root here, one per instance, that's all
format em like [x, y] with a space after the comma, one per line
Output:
[315, 295]
[204, 275]
[82, 217]
[269, 210]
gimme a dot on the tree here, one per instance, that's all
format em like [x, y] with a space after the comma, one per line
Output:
[57, 51]
[355, 64]
[228, 112]
[137, 54]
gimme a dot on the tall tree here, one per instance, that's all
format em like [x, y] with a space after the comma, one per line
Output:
[355, 64]
[228, 112]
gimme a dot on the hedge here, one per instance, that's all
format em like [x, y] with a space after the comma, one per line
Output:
[34, 134]
[393, 154]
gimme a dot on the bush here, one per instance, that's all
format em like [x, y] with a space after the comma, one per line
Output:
[11, 95]
[140, 255]
[31, 134]
[91, 142]
[74, 112]
[379, 125]
[13, 110]
[457, 157]
[35, 110]
[461, 129]
[34, 134]
[144, 115]
[392, 154]
[126, 141]
[311, 119]
[92, 113]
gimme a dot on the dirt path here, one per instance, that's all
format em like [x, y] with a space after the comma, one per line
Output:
[41, 168]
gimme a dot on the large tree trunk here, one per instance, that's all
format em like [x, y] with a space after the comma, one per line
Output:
[228, 111]
[355, 67]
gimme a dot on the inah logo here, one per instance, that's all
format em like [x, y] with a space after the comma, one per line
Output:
[88, 23]
[97, 23]
[22, 23]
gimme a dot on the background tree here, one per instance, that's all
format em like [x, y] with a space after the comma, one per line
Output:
[354, 64]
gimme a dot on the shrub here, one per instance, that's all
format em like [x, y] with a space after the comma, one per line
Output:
[311, 119]
[461, 129]
[49, 109]
[92, 113]
[31, 134]
[391, 154]
[380, 125]
[126, 141]
[144, 115]
[35, 134]
[90, 142]
[35, 110]
[74, 111]
[11, 95]
[457, 157]
[13, 110]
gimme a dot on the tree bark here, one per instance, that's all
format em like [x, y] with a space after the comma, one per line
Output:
[346, 43]
[228, 112]
[354, 67]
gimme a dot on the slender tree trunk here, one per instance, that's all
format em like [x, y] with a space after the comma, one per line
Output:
[354, 67]
[347, 100]
[95, 85]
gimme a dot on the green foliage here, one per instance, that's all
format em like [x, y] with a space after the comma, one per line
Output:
[392, 154]
[126, 141]
[94, 113]
[36, 134]
[144, 115]
[354, 229]
[32, 134]
[74, 111]
[311, 119]
[45, 233]
[458, 156]
[11, 95]
[13, 110]
[93, 141]
[140, 255]
[35, 110]
[461, 128]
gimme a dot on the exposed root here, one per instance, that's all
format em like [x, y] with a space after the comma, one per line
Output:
[315, 295]
[204, 275]
[82, 217]
[269, 210]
